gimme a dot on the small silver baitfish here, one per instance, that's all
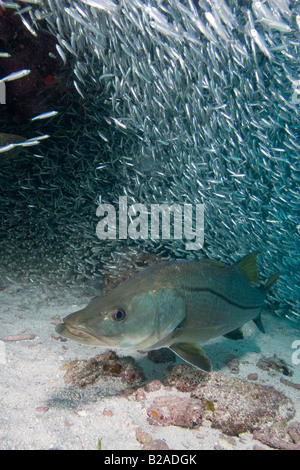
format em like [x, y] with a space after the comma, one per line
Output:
[8, 147]
[178, 304]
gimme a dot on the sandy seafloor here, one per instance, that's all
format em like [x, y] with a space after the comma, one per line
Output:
[39, 411]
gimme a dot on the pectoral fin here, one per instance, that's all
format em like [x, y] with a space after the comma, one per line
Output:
[193, 354]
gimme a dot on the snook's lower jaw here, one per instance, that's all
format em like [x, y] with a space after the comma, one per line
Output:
[68, 331]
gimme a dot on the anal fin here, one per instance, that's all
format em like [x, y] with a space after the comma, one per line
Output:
[193, 354]
[259, 323]
[235, 334]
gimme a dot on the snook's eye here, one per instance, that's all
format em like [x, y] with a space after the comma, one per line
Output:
[119, 314]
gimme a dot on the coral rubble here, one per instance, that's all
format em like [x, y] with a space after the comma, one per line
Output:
[176, 411]
[86, 372]
[235, 406]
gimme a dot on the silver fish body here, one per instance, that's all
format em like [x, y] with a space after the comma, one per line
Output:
[179, 304]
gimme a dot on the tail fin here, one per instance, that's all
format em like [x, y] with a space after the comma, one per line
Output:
[270, 282]
[266, 289]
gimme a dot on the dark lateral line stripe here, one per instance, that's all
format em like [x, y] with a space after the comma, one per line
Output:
[212, 291]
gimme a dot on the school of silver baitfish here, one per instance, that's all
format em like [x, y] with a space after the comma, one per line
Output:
[188, 101]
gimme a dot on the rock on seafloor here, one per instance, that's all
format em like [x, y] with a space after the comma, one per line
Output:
[177, 411]
[215, 400]
[156, 444]
[233, 405]
[86, 372]
[274, 363]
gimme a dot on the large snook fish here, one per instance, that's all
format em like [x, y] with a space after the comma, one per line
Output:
[178, 304]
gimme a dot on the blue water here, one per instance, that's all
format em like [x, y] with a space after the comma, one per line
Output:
[162, 109]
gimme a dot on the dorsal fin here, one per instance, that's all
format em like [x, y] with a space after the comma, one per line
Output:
[248, 267]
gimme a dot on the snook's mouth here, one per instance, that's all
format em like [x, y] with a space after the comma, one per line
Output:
[76, 334]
